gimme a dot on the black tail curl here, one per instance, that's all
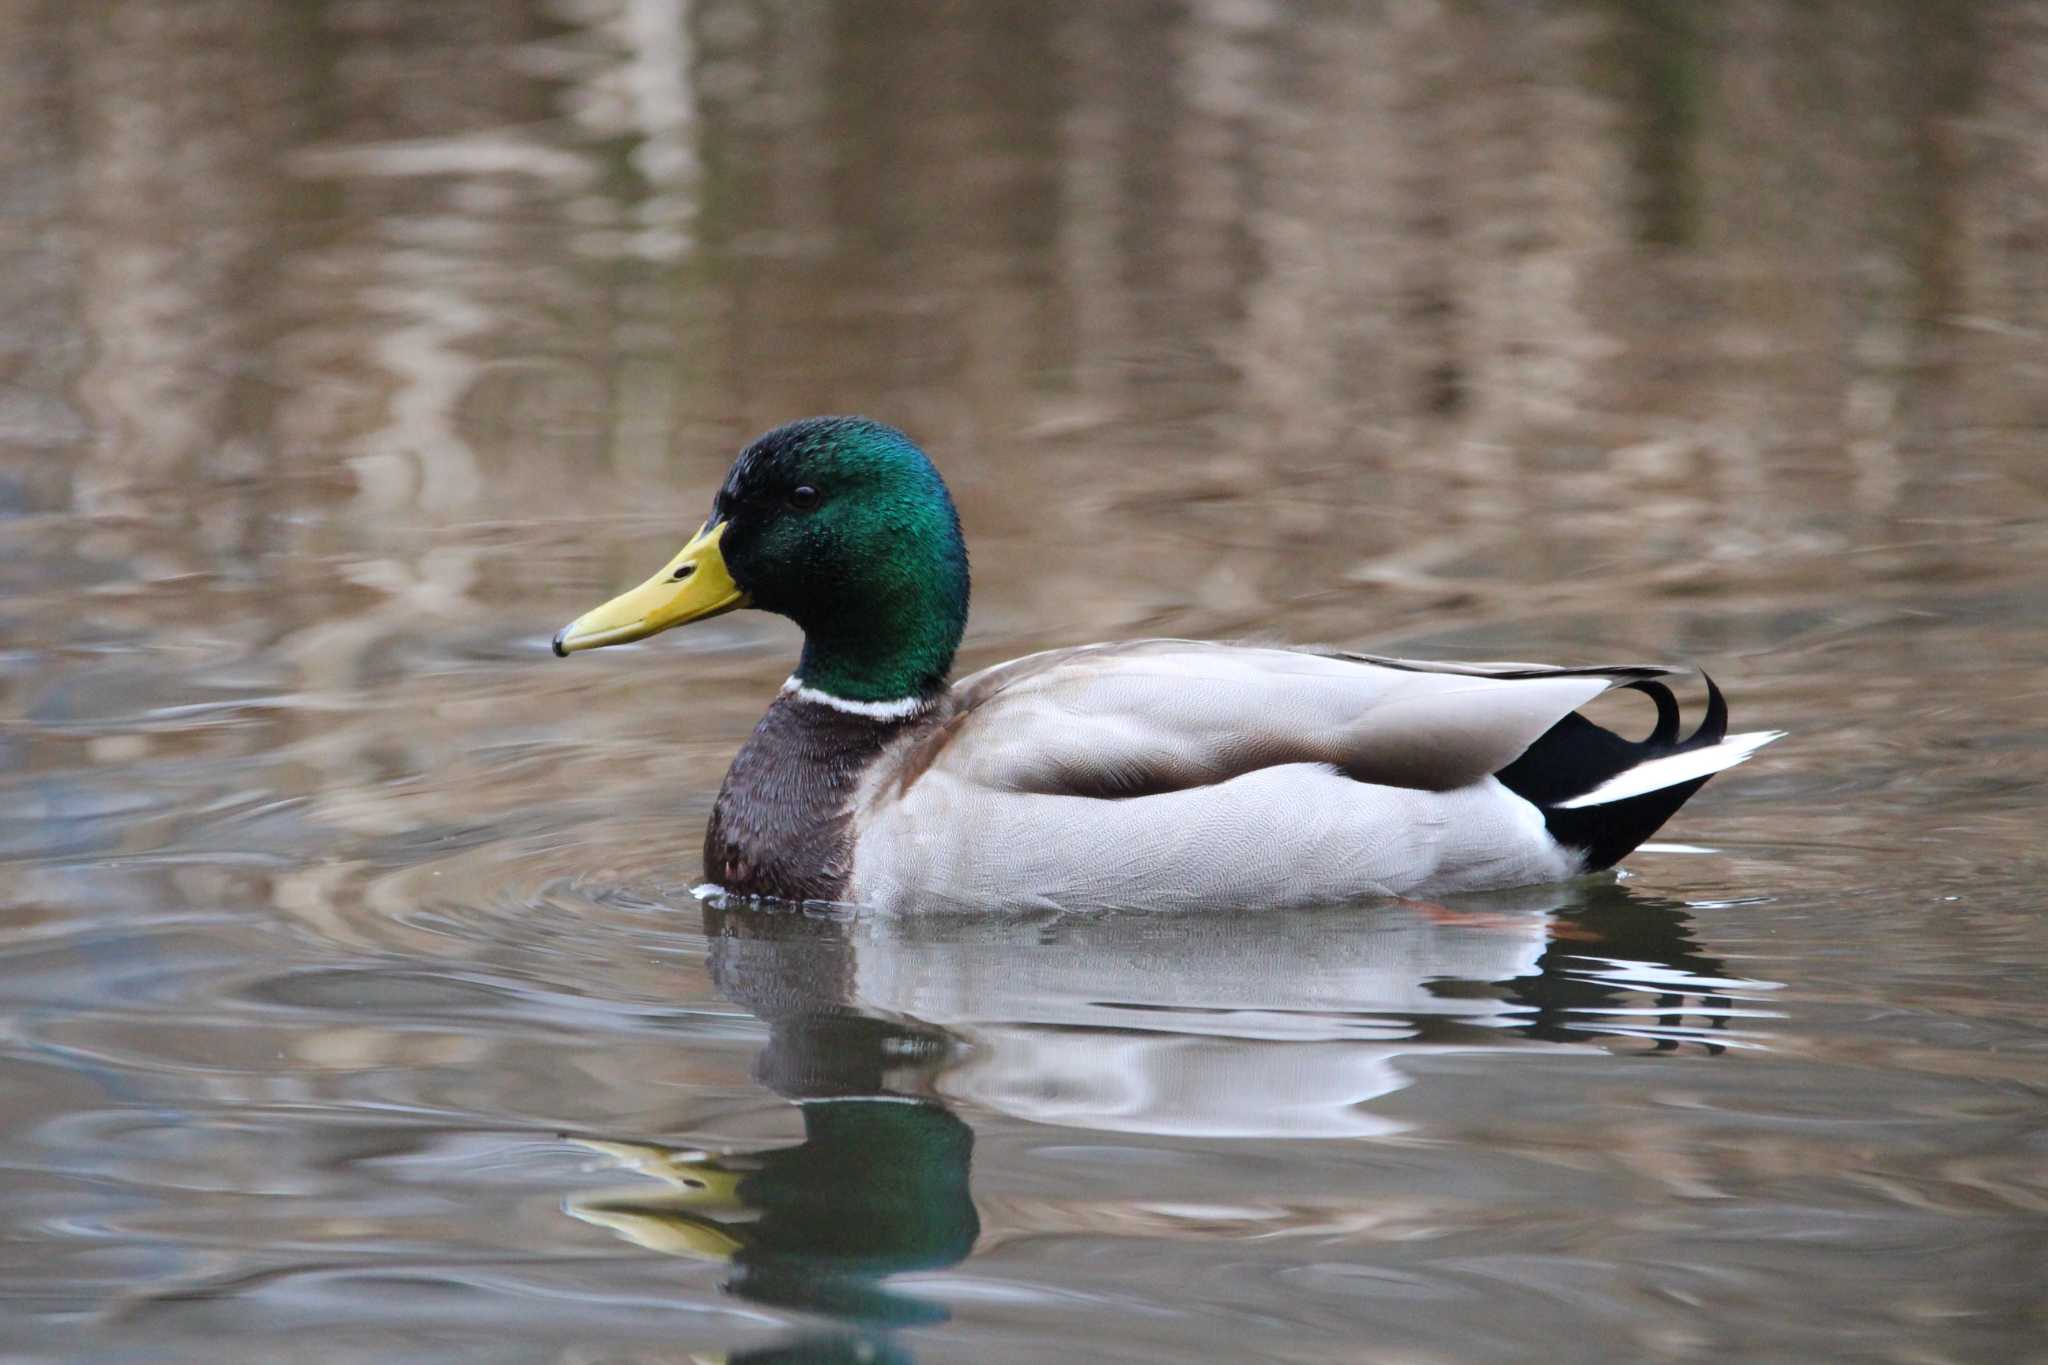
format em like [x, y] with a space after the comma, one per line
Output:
[1574, 756]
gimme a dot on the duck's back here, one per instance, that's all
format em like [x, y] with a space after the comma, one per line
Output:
[1163, 773]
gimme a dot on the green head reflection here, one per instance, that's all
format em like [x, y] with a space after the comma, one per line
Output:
[878, 1188]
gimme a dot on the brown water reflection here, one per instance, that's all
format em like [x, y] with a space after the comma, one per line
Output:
[347, 348]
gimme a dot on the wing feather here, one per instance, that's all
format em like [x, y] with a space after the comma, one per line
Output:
[1146, 717]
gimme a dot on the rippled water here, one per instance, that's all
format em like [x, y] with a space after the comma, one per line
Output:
[356, 1006]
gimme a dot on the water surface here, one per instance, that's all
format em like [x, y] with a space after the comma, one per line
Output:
[356, 1006]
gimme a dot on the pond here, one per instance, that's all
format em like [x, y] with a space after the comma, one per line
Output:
[354, 1000]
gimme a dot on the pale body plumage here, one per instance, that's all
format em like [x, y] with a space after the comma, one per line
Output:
[1173, 773]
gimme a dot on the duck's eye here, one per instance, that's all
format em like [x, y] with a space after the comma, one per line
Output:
[803, 497]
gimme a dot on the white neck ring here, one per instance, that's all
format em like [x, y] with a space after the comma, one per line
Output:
[902, 708]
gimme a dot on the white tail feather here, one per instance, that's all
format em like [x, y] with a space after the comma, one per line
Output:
[1672, 769]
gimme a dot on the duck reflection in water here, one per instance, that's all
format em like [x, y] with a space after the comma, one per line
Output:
[1204, 1026]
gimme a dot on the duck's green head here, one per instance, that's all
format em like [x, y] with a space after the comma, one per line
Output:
[840, 524]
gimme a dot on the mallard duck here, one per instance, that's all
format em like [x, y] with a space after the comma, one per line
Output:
[1139, 773]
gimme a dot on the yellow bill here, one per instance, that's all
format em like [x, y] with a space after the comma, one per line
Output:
[646, 1222]
[693, 585]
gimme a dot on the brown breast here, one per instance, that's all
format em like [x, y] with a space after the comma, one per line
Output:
[782, 824]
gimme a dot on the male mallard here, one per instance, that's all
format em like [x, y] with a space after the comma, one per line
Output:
[1146, 772]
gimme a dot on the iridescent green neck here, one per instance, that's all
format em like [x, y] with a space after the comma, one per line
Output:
[898, 641]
